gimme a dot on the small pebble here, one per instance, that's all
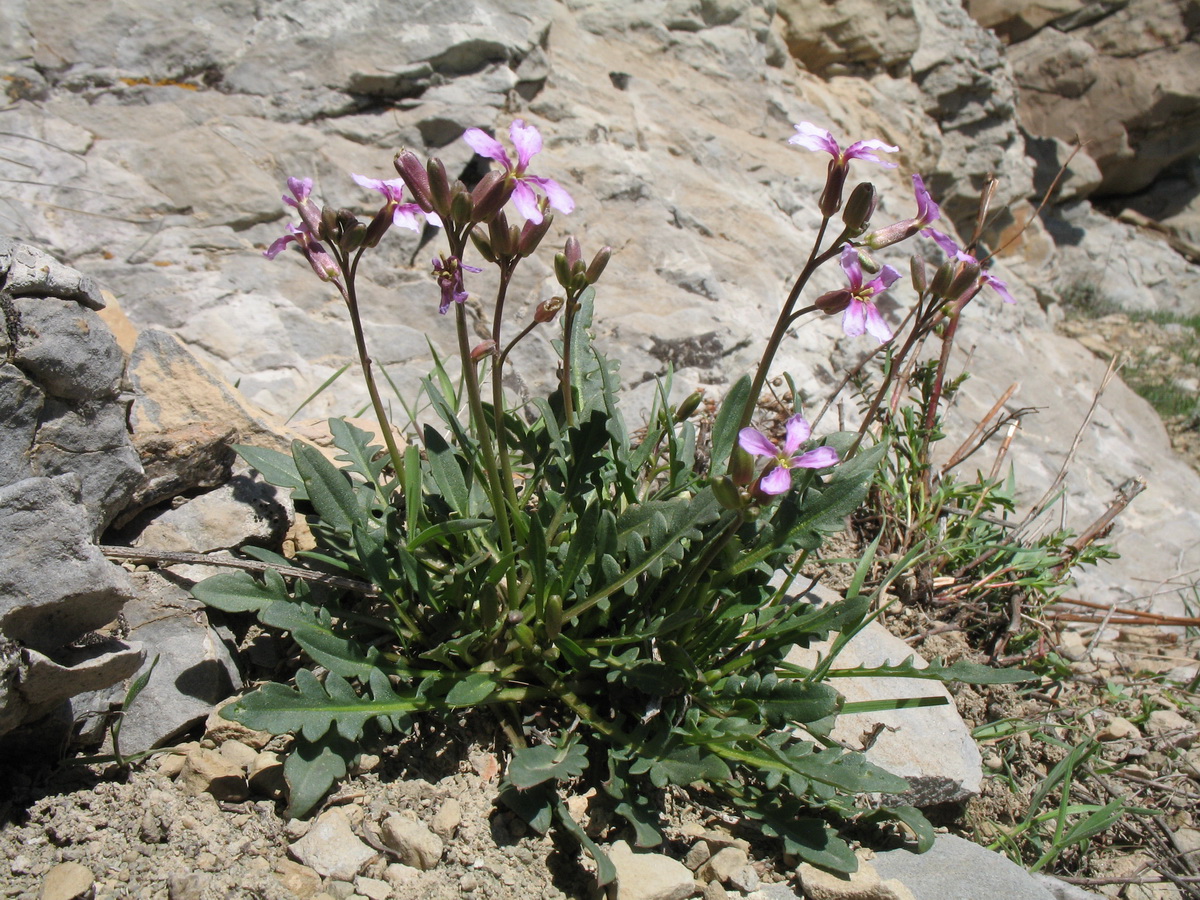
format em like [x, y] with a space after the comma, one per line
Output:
[67, 881]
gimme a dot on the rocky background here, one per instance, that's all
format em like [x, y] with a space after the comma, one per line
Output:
[146, 145]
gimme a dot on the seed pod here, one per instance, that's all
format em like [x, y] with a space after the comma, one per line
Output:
[599, 262]
[554, 617]
[920, 281]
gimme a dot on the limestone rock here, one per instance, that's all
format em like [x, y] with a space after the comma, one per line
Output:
[299, 879]
[931, 747]
[858, 33]
[447, 818]
[30, 271]
[180, 461]
[648, 876]
[195, 668]
[67, 349]
[207, 772]
[331, 848]
[862, 884]
[244, 510]
[416, 845]
[1170, 729]
[68, 881]
[722, 865]
[957, 868]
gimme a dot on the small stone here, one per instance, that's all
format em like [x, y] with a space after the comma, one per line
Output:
[745, 879]
[340, 890]
[723, 864]
[648, 876]
[1171, 729]
[366, 762]
[172, 763]
[447, 819]
[21, 865]
[714, 890]
[416, 845]
[1072, 645]
[151, 830]
[294, 829]
[207, 772]
[266, 775]
[863, 884]
[1118, 729]
[697, 856]
[220, 730]
[238, 753]
[372, 888]
[397, 874]
[332, 848]
[67, 881]
[718, 839]
[187, 887]
[299, 879]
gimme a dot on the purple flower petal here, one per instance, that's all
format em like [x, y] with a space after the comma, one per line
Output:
[528, 141]
[755, 443]
[559, 198]
[862, 150]
[817, 458]
[488, 146]
[777, 481]
[300, 188]
[927, 210]
[405, 216]
[810, 137]
[852, 267]
[277, 246]
[886, 278]
[854, 319]
[876, 326]
[999, 287]
[798, 431]
[526, 202]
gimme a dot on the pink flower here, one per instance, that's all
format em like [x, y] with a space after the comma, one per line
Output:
[927, 211]
[955, 252]
[528, 142]
[310, 215]
[811, 137]
[861, 315]
[318, 257]
[448, 272]
[778, 479]
[404, 215]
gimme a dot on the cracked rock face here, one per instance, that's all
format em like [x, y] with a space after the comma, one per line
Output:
[67, 467]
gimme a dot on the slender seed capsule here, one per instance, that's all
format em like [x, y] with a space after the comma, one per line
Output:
[599, 261]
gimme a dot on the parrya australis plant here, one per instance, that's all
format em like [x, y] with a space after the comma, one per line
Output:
[610, 600]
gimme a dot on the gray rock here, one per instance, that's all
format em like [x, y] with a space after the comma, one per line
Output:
[67, 881]
[21, 409]
[416, 845]
[331, 848]
[931, 747]
[28, 270]
[245, 510]
[55, 585]
[67, 349]
[195, 669]
[648, 876]
[954, 869]
[1063, 890]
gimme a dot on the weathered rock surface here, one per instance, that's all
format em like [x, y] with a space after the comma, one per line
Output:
[648, 876]
[331, 848]
[955, 869]
[931, 747]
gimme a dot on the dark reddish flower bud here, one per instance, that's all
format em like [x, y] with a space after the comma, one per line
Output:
[942, 278]
[532, 234]
[439, 187]
[502, 236]
[416, 179]
[599, 262]
[834, 301]
[547, 310]
[860, 207]
[966, 278]
[490, 195]
[572, 251]
[479, 351]
[835, 183]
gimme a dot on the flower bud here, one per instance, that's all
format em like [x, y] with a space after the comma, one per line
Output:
[920, 282]
[503, 236]
[484, 245]
[689, 405]
[834, 302]
[967, 278]
[378, 227]
[579, 282]
[489, 196]
[741, 466]
[573, 251]
[461, 208]
[599, 262]
[553, 616]
[525, 636]
[547, 310]
[860, 207]
[866, 261]
[531, 235]
[322, 263]
[480, 350]
[327, 227]
[835, 182]
[942, 278]
[439, 187]
[562, 270]
[727, 493]
[416, 179]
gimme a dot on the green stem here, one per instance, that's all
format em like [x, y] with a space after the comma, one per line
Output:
[350, 295]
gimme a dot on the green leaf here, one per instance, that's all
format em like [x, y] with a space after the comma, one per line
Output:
[472, 690]
[239, 592]
[276, 468]
[967, 672]
[606, 872]
[813, 841]
[328, 488]
[783, 700]
[535, 805]
[530, 766]
[446, 471]
[683, 766]
[913, 818]
[360, 453]
[312, 768]
[725, 428]
[445, 529]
